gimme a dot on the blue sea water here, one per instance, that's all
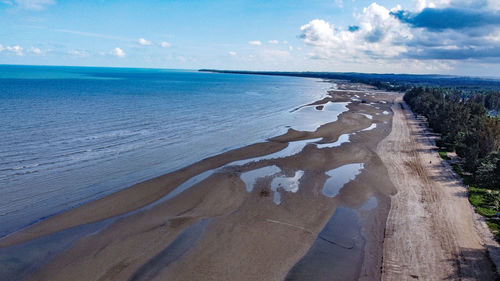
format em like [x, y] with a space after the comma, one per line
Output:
[70, 135]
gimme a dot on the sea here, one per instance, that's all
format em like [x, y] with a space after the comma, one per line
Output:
[70, 135]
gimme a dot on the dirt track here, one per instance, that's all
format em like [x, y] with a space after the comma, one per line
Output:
[431, 230]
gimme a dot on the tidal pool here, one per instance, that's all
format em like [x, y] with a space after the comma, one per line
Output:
[372, 126]
[309, 119]
[342, 139]
[289, 184]
[341, 176]
[250, 177]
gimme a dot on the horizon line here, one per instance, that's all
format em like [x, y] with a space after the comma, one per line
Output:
[254, 71]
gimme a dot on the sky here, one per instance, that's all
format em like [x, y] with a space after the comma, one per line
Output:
[459, 37]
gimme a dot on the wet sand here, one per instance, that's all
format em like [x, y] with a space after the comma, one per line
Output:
[284, 213]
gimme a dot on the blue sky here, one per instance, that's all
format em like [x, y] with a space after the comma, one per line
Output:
[336, 35]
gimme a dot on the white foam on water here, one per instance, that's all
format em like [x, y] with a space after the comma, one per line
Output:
[385, 112]
[341, 176]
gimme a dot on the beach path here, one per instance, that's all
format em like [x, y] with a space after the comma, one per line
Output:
[432, 232]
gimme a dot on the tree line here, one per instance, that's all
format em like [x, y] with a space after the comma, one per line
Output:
[466, 126]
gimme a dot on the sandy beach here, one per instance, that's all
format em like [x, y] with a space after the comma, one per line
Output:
[432, 232]
[361, 198]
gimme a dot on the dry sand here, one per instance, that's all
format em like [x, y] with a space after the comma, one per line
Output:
[431, 229]
[216, 230]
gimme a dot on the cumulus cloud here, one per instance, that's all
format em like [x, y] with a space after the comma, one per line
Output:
[144, 42]
[118, 52]
[255, 43]
[437, 30]
[165, 44]
[35, 5]
[378, 35]
[274, 42]
[232, 53]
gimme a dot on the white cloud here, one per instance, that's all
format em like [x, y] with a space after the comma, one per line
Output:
[339, 3]
[35, 51]
[1, 48]
[165, 44]
[274, 42]
[255, 43]
[35, 5]
[232, 53]
[118, 52]
[384, 39]
[379, 35]
[16, 49]
[285, 42]
[144, 42]
[290, 48]
[317, 33]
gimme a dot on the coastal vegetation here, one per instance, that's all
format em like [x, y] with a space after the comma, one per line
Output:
[467, 128]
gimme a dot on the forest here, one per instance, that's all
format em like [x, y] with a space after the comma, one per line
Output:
[469, 125]
[466, 126]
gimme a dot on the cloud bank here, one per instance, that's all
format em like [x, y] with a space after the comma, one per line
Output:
[445, 30]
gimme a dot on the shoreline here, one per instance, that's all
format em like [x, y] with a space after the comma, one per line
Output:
[160, 186]
[200, 202]
[235, 223]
